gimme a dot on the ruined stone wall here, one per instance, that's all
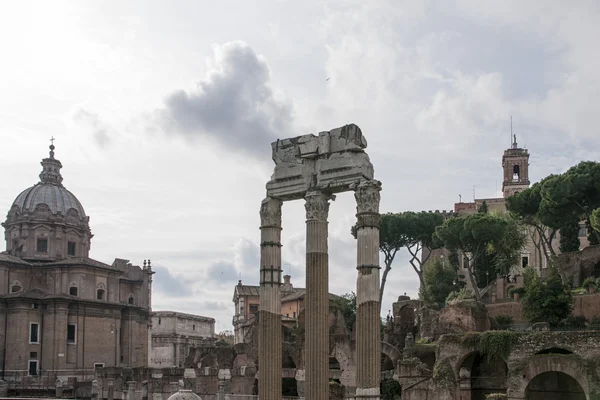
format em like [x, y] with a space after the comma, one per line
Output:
[512, 309]
[587, 305]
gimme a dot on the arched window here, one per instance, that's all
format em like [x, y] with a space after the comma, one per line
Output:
[100, 292]
[16, 287]
[73, 291]
[130, 300]
[516, 173]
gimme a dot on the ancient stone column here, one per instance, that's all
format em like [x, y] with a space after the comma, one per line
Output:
[368, 341]
[269, 313]
[316, 306]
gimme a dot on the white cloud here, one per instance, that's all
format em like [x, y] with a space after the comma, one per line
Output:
[431, 84]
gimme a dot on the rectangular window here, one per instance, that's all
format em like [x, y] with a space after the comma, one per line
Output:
[253, 308]
[71, 333]
[524, 261]
[33, 354]
[582, 231]
[98, 365]
[71, 248]
[34, 328]
[42, 246]
[33, 367]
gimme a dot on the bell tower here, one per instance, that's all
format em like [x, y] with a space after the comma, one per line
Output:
[515, 163]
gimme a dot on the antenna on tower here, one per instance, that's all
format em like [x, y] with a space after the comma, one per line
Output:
[460, 198]
[511, 132]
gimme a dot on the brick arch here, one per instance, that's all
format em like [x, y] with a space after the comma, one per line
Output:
[555, 344]
[391, 351]
[539, 364]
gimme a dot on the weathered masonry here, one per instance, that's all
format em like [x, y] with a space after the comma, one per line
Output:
[315, 168]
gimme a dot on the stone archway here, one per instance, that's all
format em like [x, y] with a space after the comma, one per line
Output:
[554, 385]
[543, 363]
[480, 376]
[391, 352]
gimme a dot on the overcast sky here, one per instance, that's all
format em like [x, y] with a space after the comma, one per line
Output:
[163, 114]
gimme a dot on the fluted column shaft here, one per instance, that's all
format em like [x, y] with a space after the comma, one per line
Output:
[368, 340]
[317, 297]
[269, 313]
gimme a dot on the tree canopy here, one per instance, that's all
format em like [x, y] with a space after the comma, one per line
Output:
[439, 281]
[347, 305]
[546, 300]
[487, 240]
[595, 220]
[558, 203]
[573, 195]
[411, 230]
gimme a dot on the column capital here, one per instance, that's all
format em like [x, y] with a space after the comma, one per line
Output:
[367, 196]
[270, 212]
[317, 205]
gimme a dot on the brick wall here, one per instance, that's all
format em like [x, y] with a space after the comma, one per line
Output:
[587, 305]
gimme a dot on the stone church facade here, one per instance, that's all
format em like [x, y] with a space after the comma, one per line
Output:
[62, 313]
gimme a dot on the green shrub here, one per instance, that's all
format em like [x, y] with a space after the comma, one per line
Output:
[503, 321]
[390, 389]
[546, 300]
[519, 290]
[462, 294]
[589, 283]
[579, 322]
[579, 291]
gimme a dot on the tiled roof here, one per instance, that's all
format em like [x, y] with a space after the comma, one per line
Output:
[297, 293]
[90, 262]
[4, 256]
[300, 295]
[247, 290]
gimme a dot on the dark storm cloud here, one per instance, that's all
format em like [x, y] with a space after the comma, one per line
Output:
[94, 125]
[169, 285]
[234, 105]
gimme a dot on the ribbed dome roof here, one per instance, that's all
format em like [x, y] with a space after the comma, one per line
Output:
[56, 197]
[49, 191]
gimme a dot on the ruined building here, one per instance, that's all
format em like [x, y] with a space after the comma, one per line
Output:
[63, 313]
[173, 334]
[451, 354]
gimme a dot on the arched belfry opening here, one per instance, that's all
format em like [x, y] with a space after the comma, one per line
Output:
[516, 173]
[315, 168]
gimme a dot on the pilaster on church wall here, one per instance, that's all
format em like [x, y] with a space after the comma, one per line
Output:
[20, 315]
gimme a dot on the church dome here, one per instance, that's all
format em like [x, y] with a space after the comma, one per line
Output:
[49, 192]
[46, 222]
[57, 198]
